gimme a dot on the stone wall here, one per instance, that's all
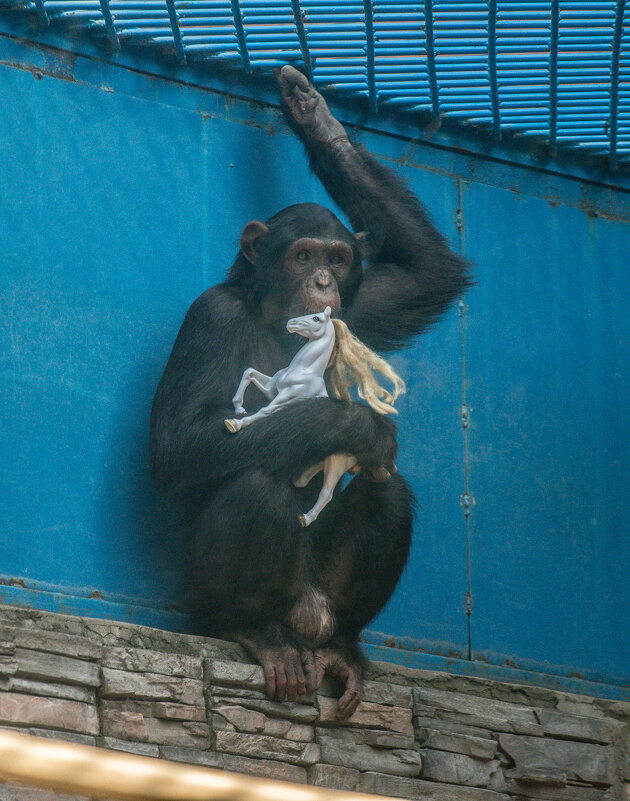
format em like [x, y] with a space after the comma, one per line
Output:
[417, 735]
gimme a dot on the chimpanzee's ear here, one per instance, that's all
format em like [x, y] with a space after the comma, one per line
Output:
[249, 239]
[363, 242]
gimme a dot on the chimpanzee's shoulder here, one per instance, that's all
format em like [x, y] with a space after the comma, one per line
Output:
[218, 306]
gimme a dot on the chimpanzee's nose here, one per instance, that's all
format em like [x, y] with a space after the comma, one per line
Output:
[322, 279]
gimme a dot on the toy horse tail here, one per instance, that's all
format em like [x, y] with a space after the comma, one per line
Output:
[353, 363]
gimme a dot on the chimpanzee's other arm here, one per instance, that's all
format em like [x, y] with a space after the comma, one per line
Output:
[413, 274]
[189, 443]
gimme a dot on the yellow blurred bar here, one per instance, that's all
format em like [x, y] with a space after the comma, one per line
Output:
[104, 774]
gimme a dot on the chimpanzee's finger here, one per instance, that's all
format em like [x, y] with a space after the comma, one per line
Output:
[348, 703]
[308, 665]
[289, 670]
[294, 77]
[281, 682]
[270, 678]
[350, 700]
[320, 664]
[292, 82]
[300, 679]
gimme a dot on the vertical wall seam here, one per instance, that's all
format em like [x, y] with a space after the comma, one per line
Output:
[466, 500]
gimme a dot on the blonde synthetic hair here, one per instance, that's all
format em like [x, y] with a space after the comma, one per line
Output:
[352, 362]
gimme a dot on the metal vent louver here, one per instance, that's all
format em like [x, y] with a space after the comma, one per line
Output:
[556, 71]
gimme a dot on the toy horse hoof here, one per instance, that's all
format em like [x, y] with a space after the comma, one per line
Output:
[304, 521]
[232, 425]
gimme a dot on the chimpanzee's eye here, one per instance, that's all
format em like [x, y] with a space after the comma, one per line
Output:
[336, 259]
[303, 256]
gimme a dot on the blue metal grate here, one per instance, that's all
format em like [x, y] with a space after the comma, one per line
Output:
[556, 71]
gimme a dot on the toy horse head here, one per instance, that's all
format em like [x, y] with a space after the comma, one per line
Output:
[311, 326]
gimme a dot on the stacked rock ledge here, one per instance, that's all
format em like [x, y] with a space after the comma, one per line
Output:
[416, 735]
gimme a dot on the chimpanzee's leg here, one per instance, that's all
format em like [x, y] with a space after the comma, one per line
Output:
[248, 571]
[360, 545]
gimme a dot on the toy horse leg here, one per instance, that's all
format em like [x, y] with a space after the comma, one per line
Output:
[282, 399]
[311, 472]
[263, 382]
[251, 376]
[308, 474]
[334, 467]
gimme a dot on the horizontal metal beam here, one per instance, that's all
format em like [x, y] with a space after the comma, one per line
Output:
[102, 774]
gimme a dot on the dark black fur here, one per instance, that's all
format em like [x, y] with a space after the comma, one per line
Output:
[252, 560]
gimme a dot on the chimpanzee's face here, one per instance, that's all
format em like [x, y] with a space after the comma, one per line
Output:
[316, 272]
[307, 262]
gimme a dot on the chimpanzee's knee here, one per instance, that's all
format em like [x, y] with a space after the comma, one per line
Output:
[247, 552]
[365, 548]
[377, 514]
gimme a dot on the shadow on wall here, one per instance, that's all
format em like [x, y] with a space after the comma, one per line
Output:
[142, 539]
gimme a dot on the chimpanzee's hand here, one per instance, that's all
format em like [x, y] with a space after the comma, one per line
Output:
[307, 108]
[377, 463]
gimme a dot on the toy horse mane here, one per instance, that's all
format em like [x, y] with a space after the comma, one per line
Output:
[353, 363]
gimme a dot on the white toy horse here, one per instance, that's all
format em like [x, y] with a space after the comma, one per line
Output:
[352, 362]
[303, 378]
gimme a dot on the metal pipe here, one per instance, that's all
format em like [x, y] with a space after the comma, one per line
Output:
[346, 52]
[298, 18]
[43, 14]
[355, 87]
[102, 774]
[134, 13]
[177, 34]
[553, 77]
[200, 30]
[339, 69]
[334, 27]
[146, 33]
[614, 83]
[430, 46]
[109, 24]
[369, 44]
[215, 49]
[492, 66]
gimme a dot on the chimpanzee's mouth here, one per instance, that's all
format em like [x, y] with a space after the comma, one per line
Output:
[316, 306]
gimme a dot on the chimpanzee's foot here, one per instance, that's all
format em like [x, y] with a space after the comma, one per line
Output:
[348, 669]
[289, 669]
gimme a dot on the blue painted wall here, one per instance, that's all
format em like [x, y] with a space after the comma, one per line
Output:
[123, 190]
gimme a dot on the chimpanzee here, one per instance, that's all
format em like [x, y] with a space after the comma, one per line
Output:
[297, 598]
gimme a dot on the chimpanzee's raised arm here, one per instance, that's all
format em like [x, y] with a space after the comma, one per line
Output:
[412, 274]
